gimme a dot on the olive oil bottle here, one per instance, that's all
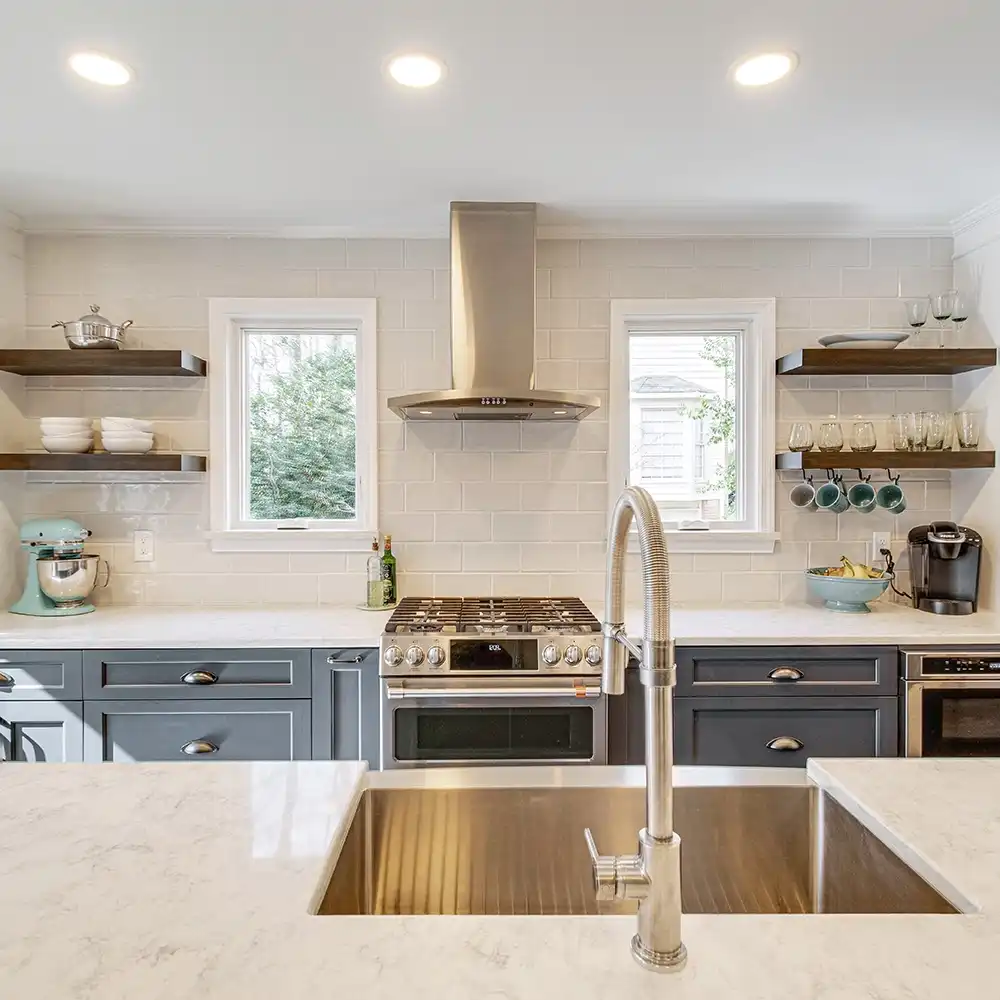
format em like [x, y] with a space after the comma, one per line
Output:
[389, 592]
[375, 597]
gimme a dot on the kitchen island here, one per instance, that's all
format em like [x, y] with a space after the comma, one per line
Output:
[127, 881]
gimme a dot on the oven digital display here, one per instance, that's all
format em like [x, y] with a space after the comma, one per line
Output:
[961, 665]
[493, 654]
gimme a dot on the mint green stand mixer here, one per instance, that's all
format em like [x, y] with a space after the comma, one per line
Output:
[60, 576]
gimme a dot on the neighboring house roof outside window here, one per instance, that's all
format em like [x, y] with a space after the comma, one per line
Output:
[661, 384]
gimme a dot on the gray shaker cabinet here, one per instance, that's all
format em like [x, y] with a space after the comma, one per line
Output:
[133, 730]
[41, 731]
[345, 705]
[37, 675]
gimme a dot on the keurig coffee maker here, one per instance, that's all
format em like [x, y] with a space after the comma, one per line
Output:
[944, 568]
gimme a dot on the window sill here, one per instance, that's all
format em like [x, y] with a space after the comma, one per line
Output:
[724, 542]
[304, 540]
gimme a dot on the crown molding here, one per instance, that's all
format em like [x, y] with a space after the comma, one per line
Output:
[977, 227]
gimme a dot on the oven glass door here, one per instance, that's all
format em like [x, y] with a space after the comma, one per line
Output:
[956, 720]
[422, 731]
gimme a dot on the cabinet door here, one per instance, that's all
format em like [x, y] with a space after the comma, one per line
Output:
[346, 705]
[778, 732]
[204, 674]
[41, 731]
[35, 675]
[196, 731]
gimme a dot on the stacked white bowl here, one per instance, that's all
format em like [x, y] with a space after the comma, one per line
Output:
[68, 435]
[126, 434]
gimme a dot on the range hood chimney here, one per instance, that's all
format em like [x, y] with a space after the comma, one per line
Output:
[493, 325]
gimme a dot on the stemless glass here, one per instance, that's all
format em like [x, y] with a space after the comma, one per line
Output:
[967, 424]
[937, 431]
[801, 436]
[830, 436]
[863, 436]
[942, 306]
[916, 430]
[898, 432]
[916, 314]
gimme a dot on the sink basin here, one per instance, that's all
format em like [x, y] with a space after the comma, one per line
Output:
[753, 848]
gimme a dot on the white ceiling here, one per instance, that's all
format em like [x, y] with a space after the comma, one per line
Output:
[275, 113]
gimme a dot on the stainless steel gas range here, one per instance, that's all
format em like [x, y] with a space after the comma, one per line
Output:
[492, 680]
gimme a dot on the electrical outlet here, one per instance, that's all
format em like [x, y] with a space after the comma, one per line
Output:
[880, 540]
[142, 546]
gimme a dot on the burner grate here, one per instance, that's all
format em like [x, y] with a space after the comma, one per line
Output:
[493, 615]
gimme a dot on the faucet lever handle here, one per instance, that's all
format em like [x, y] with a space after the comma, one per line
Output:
[591, 846]
[605, 868]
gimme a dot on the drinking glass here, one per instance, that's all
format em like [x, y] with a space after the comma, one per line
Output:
[916, 430]
[916, 314]
[863, 436]
[967, 424]
[942, 306]
[898, 432]
[937, 431]
[961, 311]
[801, 436]
[830, 436]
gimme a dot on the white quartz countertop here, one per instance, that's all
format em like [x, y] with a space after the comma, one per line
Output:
[202, 627]
[178, 880]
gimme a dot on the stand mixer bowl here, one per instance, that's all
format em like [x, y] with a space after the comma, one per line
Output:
[67, 580]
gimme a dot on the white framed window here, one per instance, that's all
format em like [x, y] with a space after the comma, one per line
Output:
[293, 414]
[691, 413]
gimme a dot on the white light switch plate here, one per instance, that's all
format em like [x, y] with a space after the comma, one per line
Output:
[142, 546]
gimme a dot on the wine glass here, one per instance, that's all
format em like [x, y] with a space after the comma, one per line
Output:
[801, 437]
[830, 436]
[916, 314]
[961, 310]
[942, 306]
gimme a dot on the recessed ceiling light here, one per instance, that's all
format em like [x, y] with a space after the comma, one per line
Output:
[416, 70]
[426, 413]
[758, 71]
[100, 69]
[559, 413]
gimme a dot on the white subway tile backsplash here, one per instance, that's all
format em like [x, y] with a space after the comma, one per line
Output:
[474, 508]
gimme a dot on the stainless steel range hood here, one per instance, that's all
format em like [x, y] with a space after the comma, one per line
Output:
[493, 325]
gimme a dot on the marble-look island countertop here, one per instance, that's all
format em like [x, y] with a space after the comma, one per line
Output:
[204, 627]
[125, 881]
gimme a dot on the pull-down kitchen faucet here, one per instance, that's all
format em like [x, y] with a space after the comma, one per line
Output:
[653, 875]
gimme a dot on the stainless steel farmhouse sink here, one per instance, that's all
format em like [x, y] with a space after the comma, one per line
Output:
[747, 848]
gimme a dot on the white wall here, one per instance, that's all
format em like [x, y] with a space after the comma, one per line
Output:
[12, 321]
[977, 494]
[490, 508]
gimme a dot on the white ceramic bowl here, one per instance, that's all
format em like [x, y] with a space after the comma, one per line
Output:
[136, 446]
[122, 436]
[52, 424]
[126, 424]
[62, 435]
[68, 445]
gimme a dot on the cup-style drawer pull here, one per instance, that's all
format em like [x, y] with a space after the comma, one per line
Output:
[786, 674]
[199, 677]
[195, 747]
[5, 679]
[785, 743]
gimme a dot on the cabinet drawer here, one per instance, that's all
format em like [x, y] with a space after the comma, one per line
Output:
[773, 732]
[796, 671]
[222, 730]
[36, 675]
[196, 673]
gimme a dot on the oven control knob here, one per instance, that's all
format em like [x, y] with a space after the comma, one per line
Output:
[593, 655]
[414, 656]
[435, 656]
[573, 654]
[393, 656]
[551, 655]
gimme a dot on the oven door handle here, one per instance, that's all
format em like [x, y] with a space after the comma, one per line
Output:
[397, 690]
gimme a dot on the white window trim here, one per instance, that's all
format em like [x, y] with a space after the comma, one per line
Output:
[757, 318]
[226, 319]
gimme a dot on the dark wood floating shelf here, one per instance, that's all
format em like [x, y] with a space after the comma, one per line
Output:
[103, 362]
[103, 462]
[894, 460]
[899, 361]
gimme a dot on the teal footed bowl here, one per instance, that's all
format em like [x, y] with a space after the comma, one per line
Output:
[844, 594]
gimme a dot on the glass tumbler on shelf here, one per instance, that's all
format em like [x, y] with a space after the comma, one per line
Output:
[916, 430]
[942, 306]
[831, 436]
[967, 425]
[898, 432]
[863, 436]
[916, 314]
[938, 437]
[800, 438]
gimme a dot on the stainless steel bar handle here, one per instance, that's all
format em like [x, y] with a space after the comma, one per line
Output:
[785, 743]
[200, 677]
[5, 679]
[332, 658]
[786, 674]
[195, 747]
[398, 691]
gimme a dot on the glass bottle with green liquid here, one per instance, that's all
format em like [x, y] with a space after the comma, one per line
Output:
[389, 592]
